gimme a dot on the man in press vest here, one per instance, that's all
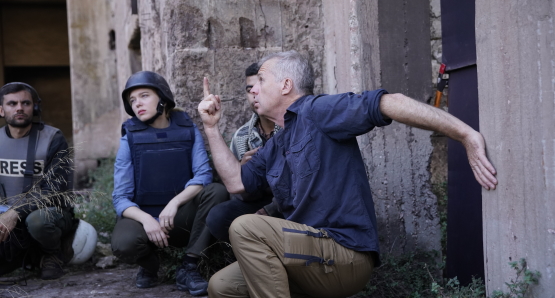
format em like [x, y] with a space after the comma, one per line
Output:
[35, 214]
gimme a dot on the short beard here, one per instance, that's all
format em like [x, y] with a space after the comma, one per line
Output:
[11, 122]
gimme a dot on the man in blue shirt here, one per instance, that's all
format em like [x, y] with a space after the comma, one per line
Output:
[327, 246]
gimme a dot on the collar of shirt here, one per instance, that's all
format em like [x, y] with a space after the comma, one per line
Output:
[294, 109]
[296, 105]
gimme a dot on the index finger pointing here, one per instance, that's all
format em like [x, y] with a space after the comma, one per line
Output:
[206, 87]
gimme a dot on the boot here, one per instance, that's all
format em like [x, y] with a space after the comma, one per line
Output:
[189, 279]
[51, 267]
[146, 278]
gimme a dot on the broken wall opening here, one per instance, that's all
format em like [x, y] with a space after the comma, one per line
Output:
[35, 50]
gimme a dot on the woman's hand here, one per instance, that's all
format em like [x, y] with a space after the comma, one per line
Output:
[167, 216]
[155, 232]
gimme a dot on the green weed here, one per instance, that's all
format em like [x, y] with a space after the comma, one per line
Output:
[97, 208]
[519, 286]
[403, 276]
[453, 289]
[410, 276]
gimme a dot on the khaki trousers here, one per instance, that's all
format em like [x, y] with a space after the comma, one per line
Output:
[281, 258]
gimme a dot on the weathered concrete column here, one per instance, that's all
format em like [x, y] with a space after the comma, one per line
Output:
[515, 44]
[127, 47]
[95, 100]
[386, 44]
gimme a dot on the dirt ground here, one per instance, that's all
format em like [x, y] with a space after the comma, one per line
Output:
[79, 282]
[88, 281]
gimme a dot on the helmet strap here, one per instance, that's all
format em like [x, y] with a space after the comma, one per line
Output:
[159, 111]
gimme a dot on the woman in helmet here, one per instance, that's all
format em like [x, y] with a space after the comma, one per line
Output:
[162, 191]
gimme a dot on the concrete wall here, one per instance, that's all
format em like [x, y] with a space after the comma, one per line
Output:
[515, 53]
[95, 95]
[386, 44]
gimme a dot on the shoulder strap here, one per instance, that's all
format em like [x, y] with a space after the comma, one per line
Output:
[29, 168]
[181, 118]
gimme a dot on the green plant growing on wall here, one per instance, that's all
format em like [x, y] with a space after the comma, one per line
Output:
[518, 287]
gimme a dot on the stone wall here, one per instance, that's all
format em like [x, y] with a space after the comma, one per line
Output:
[188, 40]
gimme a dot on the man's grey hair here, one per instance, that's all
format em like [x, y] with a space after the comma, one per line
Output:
[294, 66]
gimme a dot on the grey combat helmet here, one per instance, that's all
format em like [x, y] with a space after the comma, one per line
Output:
[151, 80]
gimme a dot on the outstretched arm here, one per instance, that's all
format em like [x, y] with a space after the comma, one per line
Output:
[411, 112]
[225, 162]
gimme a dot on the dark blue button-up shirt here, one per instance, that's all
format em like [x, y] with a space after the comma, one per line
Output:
[315, 169]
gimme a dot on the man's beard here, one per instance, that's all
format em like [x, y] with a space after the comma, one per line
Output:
[19, 124]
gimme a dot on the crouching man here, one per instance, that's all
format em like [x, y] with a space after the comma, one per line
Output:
[327, 246]
[34, 174]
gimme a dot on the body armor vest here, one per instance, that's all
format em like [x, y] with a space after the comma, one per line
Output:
[13, 161]
[162, 160]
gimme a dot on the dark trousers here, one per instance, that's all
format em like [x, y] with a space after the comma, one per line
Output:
[42, 231]
[130, 242]
[220, 217]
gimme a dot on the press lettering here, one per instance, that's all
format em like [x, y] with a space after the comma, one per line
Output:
[13, 167]
[17, 167]
[4, 167]
[23, 166]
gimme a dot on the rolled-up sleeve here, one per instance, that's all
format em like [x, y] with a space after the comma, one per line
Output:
[124, 183]
[202, 173]
[347, 115]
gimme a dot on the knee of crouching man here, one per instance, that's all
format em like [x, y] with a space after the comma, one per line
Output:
[242, 225]
[215, 286]
[38, 224]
